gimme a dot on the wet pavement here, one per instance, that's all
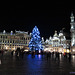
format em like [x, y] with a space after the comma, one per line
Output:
[38, 65]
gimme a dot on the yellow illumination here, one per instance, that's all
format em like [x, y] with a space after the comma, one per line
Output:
[26, 50]
[73, 50]
[64, 50]
[67, 50]
[6, 47]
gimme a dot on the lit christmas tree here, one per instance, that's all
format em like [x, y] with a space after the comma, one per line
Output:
[35, 43]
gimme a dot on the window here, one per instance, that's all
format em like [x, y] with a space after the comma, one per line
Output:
[8, 41]
[13, 41]
[6, 37]
[1, 36]
[26, 38]
[3, 41]
[22, 38]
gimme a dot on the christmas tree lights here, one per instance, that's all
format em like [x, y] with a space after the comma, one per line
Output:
[35, 43]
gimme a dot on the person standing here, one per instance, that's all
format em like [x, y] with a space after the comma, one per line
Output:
[12, 53]
[48, 55]
[57, 55]
[69, 57]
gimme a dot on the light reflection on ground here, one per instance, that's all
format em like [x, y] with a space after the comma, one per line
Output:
[36, 65]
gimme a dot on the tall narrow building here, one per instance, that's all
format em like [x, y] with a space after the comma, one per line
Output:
[72, 30]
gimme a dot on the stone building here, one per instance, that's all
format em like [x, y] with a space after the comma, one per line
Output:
[72, 30]
[11, 41]
[57, 43]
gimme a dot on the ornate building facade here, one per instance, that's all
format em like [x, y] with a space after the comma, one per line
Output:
[11, 41]
[72, 30]
[57, 43]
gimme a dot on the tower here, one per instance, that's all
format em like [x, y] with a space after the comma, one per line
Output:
[72, 30]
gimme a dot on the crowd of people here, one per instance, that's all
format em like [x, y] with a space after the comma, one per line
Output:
[53, 55]
[18, 53]
[56, 55]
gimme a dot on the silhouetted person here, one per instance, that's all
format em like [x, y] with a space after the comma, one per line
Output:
[37, 53]
[12, 53]
[33, 54]
[2, 52]
[53, 54]
[65, 55]
[22, 54]
[48, 55]
[69, 57]
[41, 52]
[57, 55]
[18, 52]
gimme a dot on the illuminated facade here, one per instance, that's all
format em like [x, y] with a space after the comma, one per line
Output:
[57, 43]
[72, 30]
[11, 41]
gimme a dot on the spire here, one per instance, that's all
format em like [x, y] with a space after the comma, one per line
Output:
[71, 13]
[72, 17]
[43, 39]
[55, 35]
[4, 31]
[50, 38]
[61, 33]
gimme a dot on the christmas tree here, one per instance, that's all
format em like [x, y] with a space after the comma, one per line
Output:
[35, 42]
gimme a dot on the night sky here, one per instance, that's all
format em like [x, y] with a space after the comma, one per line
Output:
[47, 18]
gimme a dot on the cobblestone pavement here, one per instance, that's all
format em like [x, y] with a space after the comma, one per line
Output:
[38, 65]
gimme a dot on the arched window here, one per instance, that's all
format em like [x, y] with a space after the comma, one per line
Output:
[26, 38]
